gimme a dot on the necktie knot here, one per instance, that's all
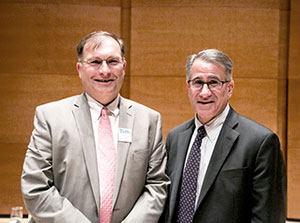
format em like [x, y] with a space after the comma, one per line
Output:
[201, 132]
[104, 112]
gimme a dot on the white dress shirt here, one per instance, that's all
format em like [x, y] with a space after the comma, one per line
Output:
[212, 129]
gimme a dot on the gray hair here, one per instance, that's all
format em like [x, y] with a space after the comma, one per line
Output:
[99, 36]
[211, 56]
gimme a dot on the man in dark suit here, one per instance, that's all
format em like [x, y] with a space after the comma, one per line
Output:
[223, 166]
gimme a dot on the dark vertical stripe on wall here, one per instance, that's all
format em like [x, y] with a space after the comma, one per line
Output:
[125, 35]
[283, 76]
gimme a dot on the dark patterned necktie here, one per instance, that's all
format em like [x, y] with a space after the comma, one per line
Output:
[187, 197]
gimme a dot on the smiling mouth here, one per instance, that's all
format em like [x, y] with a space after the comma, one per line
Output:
[104, 81]
[205, 102]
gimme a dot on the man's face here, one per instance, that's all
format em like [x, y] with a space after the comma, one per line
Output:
[102, 69]
[209, 103]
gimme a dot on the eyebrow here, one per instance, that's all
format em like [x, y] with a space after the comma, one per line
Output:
[110, 57]
[209, 78]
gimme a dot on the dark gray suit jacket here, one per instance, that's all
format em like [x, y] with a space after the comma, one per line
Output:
[246, 177]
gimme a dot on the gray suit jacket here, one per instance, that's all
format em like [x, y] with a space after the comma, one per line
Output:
[245, 180]
[60, 179]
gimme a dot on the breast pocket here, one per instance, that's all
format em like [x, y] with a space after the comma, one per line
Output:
[234, 181]
[140, 154]
[138, 165]
[234, 173]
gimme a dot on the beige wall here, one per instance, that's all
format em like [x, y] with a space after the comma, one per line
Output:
[38, 40]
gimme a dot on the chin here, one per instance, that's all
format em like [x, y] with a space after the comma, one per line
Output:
[207, 118]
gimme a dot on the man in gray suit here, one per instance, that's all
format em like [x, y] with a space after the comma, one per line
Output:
[62, 169]
[223, 166]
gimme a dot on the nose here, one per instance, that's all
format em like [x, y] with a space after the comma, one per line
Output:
[104, 68]
[205, 92]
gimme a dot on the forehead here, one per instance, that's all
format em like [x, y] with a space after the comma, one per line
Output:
[102, 45]
[203, 69]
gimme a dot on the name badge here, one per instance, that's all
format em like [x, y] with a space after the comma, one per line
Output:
[124, 135]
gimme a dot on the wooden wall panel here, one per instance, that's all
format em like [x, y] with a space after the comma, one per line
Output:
[167, 95]
[22, 94]
[257, 99]
[42, 38]
[294, 47]
[38, 42]
[164, 34]
[293, 205]
[294, 114]
[293, 155]
[115, 3]
[163, 37]
[125, 35]
[276, 4]
[293, 134]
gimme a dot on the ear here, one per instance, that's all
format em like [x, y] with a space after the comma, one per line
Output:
[230, 88]
[78, 68]
[124, 64]
[124, 67]
[187, 84]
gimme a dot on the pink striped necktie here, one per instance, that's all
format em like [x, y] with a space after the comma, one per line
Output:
[107, 166]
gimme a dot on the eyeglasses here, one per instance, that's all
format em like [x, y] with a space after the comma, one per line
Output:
[214, 84]
[96, 63]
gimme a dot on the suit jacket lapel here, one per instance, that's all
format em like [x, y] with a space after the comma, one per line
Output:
[126, 122]
[83, 120]
[222, 148]
[182, 146]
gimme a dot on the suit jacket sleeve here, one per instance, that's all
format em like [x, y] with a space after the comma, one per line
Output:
[269, 183]
[41, 197]
[149, 206]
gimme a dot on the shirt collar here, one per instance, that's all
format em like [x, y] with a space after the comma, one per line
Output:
[96, 107]
[212, 125]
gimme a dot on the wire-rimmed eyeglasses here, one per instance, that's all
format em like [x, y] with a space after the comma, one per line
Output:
[96, 62]
[213, 84]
